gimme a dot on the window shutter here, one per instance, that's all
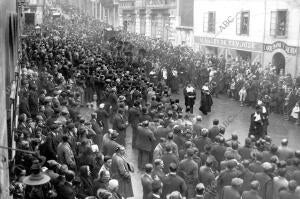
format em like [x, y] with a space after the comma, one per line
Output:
[273, 23]
[205, 22]
[287, 24]
[214, 21]
[238, 23]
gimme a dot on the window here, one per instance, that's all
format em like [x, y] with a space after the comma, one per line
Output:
[209, 23]
[278, 26]
[242, 23]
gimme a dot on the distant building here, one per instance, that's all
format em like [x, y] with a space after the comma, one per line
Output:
[153, 18]
[184, 29]
[267, 31]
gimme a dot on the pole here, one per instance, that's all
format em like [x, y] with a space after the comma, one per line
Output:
[14, 149]
[298, 54]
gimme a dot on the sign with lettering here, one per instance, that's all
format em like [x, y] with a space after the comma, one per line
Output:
[227, 43]
[291, 50]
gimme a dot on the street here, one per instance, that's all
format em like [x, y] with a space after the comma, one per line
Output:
[236, 119]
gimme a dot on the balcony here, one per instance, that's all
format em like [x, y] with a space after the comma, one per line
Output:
[127, 4]
[160, 4]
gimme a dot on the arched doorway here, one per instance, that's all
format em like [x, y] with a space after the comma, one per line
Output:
[278, 60]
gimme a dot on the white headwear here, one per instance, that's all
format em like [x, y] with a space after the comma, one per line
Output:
[112, 184]
[101, 105]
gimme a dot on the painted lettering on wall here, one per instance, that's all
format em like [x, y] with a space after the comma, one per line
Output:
[291, 50]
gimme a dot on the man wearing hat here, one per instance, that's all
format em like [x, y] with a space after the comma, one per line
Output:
[98, 129]
[147, 180]
[144, 143]
[134, 115]
[109, 146]
[188, 170]
[203, 140]
[33, 101]
[120, 170]
[113, 101]
[65, 154]
[103, 116]
[232, 191]
[49, 148]
[120, 124]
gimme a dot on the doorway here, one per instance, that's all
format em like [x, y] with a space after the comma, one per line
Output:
[278, 61]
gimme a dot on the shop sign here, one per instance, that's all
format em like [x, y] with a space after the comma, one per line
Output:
[227, 43]
[291, 50]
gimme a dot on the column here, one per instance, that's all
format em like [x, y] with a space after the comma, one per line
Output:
[171, 33]
[114, 17]
[137, 22]
[121, 19]
[148, 23]
[160, 25]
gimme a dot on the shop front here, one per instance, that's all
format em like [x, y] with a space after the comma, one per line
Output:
[282, 56]
[236, 49]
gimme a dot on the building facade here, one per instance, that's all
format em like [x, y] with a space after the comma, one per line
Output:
[153, 18]
[11, 19]
[265, 31]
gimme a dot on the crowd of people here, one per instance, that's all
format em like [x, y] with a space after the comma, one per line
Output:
[238, 77]
[65, 156]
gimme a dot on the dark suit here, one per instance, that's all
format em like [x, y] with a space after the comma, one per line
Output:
[188, 170]
[206, 176]
[230, 193]
[248, 177]
[119, 124]
[168, 158]
[65, 191]
[200, 142]
[245, 152]
[134, 118]
[218, 151]
[144, 142]
[256, 127]
[99, 132]
[24, 107]
[109, 147]
[251, 194]
[256, 167]
[226, 176]
[173, 182]
[33, 103]
[213, 132]
[286, 194]
[265, 182]
[147, 185]
[102, 116]
[50, 146]
[296, 176]
[113, 101]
